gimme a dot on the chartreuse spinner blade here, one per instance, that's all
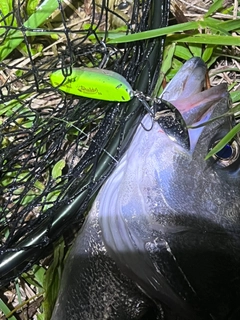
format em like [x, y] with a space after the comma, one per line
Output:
[108, 85]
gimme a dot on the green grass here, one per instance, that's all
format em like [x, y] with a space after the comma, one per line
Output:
[15, 37]
[209, 38]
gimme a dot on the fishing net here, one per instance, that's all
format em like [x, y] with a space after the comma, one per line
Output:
[58, 149]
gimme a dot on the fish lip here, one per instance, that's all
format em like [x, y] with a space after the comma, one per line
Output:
[180, 87]
[194, 69]
[186, 91]
[201, 104]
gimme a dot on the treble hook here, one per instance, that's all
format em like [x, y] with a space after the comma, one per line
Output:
[168, 117]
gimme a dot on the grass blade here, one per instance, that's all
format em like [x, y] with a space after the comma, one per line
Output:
[206, 39]
[231, 134]
[15, 37]
[194, 25]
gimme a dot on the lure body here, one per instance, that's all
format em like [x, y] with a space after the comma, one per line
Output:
[94, 83]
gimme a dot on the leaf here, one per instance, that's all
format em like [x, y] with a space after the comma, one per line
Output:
[57, 169]
[6, 11]
[166, 66]
[207, 54]
[157, 32]
[207, 39]
[208, 23]
[39, 274]
[52, 279]
[182, 51]
[31, 6]
[4, 308]
[35, 276]
[235, 96]
[196, 49]
[15, 37]
[230, 25]
[214, 8]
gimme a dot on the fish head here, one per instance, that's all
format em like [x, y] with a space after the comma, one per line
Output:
[186, 174]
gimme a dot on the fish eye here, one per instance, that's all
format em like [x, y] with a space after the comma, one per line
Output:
[228, 154]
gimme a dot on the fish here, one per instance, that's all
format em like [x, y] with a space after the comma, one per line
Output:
[162, 239]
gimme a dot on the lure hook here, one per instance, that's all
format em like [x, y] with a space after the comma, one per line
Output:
[168, 117]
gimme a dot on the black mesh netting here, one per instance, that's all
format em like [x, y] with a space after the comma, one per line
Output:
[57, 149]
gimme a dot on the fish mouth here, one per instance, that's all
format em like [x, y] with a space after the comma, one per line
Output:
[188, 93]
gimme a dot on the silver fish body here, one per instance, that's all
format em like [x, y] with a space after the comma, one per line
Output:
[162, 239]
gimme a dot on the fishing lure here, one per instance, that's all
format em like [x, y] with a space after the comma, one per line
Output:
[94, 83]
[108, 85]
